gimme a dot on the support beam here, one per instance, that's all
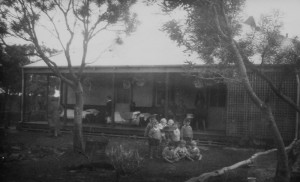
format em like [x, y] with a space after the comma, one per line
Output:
[65, 101]
[113, 99]
[167, 80]
[297, 113]
[47, 96]
[23, 96]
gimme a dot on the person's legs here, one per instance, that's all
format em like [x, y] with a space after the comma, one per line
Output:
[157, 149]
[151, 152]
[150, 148]
[56, 132]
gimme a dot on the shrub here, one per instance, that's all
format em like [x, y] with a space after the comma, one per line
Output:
[126, 160]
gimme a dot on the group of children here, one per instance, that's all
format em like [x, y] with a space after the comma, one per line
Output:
[165, 138]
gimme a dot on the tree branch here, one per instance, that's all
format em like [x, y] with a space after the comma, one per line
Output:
[276, 91]
[225, 18]
[217, 22]
[56, 30]
[71, 32]
[205, 176]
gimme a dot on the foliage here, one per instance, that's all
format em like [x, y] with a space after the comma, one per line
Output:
[213, 34]
[12, 58]
[65, 21]
[266, 40]
[126, 160]
[199, 33]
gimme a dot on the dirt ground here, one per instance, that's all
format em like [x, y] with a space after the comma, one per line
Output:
[35, 156]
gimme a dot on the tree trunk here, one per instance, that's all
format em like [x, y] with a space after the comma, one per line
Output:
[282, 172]
[78, 141]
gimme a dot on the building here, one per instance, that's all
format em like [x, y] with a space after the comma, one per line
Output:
[162, 88]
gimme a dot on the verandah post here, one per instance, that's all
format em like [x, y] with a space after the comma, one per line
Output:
[166, 93]
[113, 98]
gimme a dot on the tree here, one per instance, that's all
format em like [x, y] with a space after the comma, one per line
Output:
[266, 41]
[85, 19]
[211, 29]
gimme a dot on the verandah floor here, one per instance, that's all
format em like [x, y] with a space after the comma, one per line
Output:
[217, 137]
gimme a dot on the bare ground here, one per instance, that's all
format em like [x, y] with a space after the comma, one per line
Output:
[35, 156]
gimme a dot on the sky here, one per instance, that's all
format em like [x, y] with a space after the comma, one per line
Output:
[150, 43]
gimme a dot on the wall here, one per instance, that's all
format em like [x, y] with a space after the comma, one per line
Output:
[143, 96]
[96, 88]
[100, 85]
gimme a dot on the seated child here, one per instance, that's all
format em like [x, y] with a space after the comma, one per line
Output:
[194, 152]
[181, 150]
[154, 140]
[169, 154]
[186, 131]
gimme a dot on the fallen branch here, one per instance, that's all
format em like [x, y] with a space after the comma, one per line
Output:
[203, 177]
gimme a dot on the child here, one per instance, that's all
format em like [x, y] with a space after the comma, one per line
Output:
[150, 125]
[154, 140]
[170, 122]
[181, 150]
[152, 120]
[163, 123]
[186, 131]
[175, 136]
[161, 126]
[194, 152]
[169, 154]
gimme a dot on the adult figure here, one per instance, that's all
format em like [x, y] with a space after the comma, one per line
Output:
[201, 110]
[180, 112]
[54, 110]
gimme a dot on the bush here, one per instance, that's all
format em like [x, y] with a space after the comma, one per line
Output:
[125, 160]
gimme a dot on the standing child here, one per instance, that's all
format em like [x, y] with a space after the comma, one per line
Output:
[170, 122]
[154, 140]
[161, 126]
[194, 152]
[175, 137]
[187, 131]
[149, 126]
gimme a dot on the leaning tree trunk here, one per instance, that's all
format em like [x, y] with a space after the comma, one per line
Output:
[282, 168]
[282, 171]
[78, 141]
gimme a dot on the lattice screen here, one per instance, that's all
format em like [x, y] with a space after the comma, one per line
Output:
[244, 119]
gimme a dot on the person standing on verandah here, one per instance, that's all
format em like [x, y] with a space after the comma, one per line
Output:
[201, 111]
